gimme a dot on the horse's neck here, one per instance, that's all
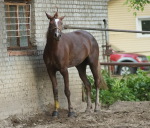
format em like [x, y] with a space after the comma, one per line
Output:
[52, 44]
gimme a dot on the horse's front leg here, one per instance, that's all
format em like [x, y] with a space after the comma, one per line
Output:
[65, 75]
[52, 75]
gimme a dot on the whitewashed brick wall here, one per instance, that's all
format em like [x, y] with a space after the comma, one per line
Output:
[24, 83]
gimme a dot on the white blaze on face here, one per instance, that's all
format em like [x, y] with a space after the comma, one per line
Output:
[56, 23]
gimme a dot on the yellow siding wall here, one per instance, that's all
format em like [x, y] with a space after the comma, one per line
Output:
[120, 18]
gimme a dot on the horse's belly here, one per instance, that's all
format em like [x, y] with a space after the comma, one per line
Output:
[75, 62]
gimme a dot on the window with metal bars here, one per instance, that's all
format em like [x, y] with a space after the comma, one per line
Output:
[17, 18]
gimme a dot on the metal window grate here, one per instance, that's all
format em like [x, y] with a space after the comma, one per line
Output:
[18, 17]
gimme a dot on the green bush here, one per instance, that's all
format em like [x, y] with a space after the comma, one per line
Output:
[134, 87]
[148, 58]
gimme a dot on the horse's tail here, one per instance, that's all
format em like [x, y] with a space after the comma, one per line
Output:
[102, 84]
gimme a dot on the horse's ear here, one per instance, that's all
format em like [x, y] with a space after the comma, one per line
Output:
[56, 15]
[48, 16]
[61, 18]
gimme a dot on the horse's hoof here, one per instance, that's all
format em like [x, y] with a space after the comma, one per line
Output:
[55, 114]
[96, 110]
[71, 114]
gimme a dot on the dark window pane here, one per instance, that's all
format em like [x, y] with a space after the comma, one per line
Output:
[21, 11]
[11, 27]
[22, 27]
[145, 25]
[22, 20]
[12, 7]
[11, 20]
[12, 33]
[23, 33]
[23, 41]
[12, 41]
[10, 14]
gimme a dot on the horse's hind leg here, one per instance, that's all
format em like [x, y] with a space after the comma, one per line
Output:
[95, 70]
[82, 73]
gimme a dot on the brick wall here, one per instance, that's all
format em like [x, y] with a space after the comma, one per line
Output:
[24, 83]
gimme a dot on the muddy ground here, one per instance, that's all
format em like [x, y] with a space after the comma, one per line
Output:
[119, 115]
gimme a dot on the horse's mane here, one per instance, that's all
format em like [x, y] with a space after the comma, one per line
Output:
[48, 33]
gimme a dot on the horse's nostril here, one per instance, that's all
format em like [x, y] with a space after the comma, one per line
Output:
[55, 35]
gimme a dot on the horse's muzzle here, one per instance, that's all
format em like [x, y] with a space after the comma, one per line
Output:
[57, 36]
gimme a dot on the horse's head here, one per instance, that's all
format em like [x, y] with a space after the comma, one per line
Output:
[55, 25]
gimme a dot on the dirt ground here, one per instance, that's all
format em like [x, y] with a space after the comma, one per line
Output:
[119, 115]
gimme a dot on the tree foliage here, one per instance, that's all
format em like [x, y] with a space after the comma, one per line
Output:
[137, 5]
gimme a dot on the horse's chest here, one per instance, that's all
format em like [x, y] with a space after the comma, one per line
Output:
[54, 61]
[58, 58]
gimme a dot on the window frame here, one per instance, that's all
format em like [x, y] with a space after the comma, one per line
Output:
[139, 25]
[18, 47]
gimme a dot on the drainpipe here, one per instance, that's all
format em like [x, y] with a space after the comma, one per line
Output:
[107, 46]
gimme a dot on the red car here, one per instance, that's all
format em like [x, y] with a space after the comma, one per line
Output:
[127, 57]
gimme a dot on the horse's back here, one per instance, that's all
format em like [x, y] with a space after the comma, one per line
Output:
[82, 34]
[83, 37]
[82, 45]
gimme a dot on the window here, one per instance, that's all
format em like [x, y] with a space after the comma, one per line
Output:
[143, 24]
[17, 18]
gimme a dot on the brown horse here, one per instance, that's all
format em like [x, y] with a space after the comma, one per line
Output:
[62, 51]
